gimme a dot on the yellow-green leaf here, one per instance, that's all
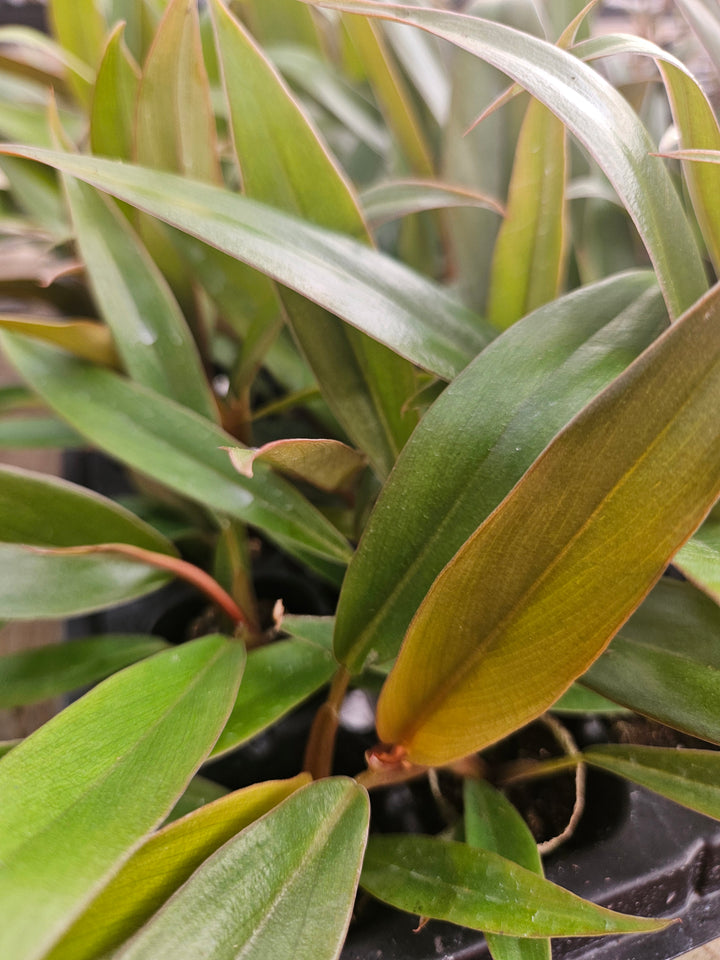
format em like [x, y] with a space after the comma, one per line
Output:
[529, 260]
[83, 338]
[162, 864]
[79, 26]
[119, 758]
[112, 117]
[536, 594]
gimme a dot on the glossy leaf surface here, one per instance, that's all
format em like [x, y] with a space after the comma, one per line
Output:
[665, 661]
[172, 445]
[689, 777]
[400, 198]
[365, 288]
[284, 162]
[597, 115]
[33, 675]
[492, 823]
[162, 864]
[694, 118]
[135, 301]
[536, 594]
[300, 866]
[62, 836]
[480, 889]
[327, 464]
[277, 678]
[529, 259]
[476, 442]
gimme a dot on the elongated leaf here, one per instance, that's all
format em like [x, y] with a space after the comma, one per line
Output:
[664, 662]
[365, 288]
[48, 52]
[119, 756]
[172, 445]
[689, 777]
[400, 198]
[175, 128]
[84, 338]
[114, 98]
[421, 58]
[327, 464]
[317, 630]
[7, 745]
[529, 259]
[480, 889]
[149, 329]
[597, 115]
[161, 865]
[476, 442]
[391, 93]
[78, 26]
[699, 559]
[492, 823]
[277, 21]
[39, 583]
[46, 511]
[578, 699]
[695, 120]
[32, 433]
[278, 677]
[536, 594]
[329, 88]
[300, 866]
[364, 384]
[33, 675]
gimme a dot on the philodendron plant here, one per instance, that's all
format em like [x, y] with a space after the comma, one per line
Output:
[467, 375]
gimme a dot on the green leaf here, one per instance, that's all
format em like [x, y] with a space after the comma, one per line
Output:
[299, 866]
[331, 90]
[198, 792]
[540, 589]
[113, 106]
[276, 21]
[600, 118]
[172, 445]
[79, 27]
[492, 823]
[284, 162]
[689, 777]
[699, 559]
[695, 121]
[161, 865]
[365, 288]
[400, 198]
[7, 745]
[175, 127]
[119, 756]
[704, 19]
[41, 583]
[480, 889]
[318, 630]
[529, 261]
[150, 332]
[33, 675]
[46, 511]
[665, 661]
[578, 699]
[391, 93]
[278, 677]
[476, 442]
[37, 433]
[327, 464]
